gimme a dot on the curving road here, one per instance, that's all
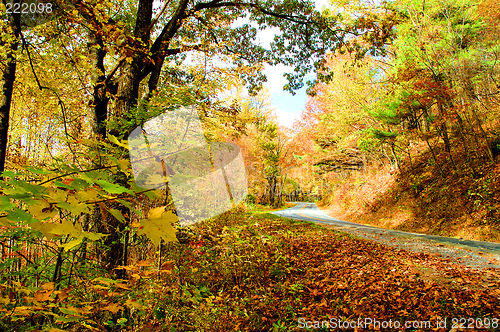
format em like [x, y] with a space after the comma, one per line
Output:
[480, 254]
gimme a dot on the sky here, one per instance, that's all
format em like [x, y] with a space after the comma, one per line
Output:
[287, 107]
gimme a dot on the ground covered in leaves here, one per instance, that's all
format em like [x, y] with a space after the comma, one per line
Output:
[248, 270]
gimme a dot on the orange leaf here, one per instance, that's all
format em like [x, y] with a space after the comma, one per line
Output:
[41, 296]
[114, 308]
[167, 265]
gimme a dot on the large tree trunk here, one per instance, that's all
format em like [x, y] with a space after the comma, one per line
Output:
[99, 102]
[126, 98]
[125, 89]
[8, 78]
[130, 79]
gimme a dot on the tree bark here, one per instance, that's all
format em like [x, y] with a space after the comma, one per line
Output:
[99, 102]
[8, 78]
[126, 98]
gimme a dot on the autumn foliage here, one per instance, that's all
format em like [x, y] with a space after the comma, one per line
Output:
[402, 120]
[412, 137]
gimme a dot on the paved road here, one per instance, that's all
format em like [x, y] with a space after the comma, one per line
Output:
[481, 254]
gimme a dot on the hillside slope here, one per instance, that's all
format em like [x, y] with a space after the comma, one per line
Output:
[457, 202]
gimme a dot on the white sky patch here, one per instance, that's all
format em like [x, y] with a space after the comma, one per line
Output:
[275, 78]
[288, 107]
[321, 3]
[285, 118]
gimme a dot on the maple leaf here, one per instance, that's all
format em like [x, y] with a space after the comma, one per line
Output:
[159, 226]
[62, 294]
[167, 266]
[42, 210]
[113, 308]
[42, 296]
[88, 195]
[66, 227]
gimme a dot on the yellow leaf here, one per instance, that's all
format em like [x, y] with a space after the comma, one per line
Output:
[146, 262]
[67, 228]
[77, 206]
[45, 228]
[127, 268]
[93, 236]
[112, 138]
[89, 327]
[57, 195]
[62, 294]
[4, 221]
[48, 285]
[82, 311]
[156, 213]
[117, 214]
[24, 310]
[73, 243]
[87, 195]
[41, 296]
[42, 210]
[124, 165]
[122, 285]
[133, 304]
[159, 225]
[169, 265]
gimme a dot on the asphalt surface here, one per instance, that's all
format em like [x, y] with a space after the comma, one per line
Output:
[475, 254]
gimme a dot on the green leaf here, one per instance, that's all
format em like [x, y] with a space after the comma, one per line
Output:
[5, 203]
[75, 184]
[28, 187]
[117, 214]
[112, 188]
[9, 174]
[151, 194]
[38, 170]
[18, 215]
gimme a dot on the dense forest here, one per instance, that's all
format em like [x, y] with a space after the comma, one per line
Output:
[400, 130]
[415, 130]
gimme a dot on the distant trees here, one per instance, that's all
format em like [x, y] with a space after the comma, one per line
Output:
[437, 84]
[266, 148]
[443, 77]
